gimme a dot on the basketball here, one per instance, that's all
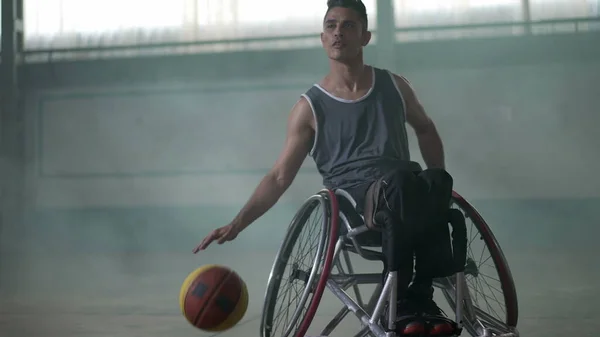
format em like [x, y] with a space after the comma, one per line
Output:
[213, 298]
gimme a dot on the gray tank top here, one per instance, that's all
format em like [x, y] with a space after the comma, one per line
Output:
[358, 141]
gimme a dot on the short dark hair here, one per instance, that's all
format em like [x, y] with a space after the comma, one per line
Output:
[356, 5]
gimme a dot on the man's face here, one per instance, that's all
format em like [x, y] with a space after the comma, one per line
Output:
[343, 35]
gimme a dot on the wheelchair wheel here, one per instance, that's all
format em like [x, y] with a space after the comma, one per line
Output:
[301, 268]
[485, 313]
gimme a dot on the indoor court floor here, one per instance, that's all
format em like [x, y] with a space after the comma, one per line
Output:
[137, 295]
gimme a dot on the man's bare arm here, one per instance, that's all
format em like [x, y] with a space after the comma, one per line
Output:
[297, 145]
[429, 139]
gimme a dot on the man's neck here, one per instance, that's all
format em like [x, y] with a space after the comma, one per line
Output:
[347, 75]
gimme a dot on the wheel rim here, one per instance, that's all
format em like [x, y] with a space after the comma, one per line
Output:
[296, 274]
[486, 268]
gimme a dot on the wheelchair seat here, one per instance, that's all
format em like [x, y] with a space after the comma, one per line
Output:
[353, 219]
[444, 252]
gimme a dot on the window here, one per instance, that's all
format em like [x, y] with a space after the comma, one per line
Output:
[85, 23]
[431, 13]
[51, 24]
[563, 9]
[410, 13]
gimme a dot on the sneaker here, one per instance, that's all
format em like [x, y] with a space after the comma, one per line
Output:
[438, 323]
[408, 322]
[419, 318]
[427, 307]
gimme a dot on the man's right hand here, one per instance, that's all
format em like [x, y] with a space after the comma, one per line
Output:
[221, 235]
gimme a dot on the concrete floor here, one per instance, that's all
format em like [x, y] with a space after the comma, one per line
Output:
[136, 295]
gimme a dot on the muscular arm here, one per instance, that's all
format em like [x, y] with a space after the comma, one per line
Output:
[296, 147]
[428, 138]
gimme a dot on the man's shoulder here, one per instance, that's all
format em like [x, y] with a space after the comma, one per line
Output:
[402, 83]
[315, 92]
[303, 103]
[397, 76]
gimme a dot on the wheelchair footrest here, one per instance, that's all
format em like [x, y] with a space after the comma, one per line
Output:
[426, 326]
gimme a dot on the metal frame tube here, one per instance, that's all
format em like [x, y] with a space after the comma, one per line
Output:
[360, 313]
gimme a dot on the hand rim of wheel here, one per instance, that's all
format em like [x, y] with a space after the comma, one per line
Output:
[325, 199]
[320, 288]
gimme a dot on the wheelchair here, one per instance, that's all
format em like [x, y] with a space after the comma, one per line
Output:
[296, 283]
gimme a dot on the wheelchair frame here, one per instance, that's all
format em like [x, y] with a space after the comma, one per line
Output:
[320, 276]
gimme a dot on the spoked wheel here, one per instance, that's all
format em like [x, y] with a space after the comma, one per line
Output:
[301, 268]
[490, 305]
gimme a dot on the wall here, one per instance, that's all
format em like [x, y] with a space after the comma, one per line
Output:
[114, 164]
[509, 131]
[157, 145]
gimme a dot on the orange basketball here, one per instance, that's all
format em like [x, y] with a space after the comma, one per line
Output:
[213, 298]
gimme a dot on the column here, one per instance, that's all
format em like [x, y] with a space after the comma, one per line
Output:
[526, 7]
[11, 120]
[386, 35]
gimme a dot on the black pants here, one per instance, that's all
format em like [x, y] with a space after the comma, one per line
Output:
[414, 200]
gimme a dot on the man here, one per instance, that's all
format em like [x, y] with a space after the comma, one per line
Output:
[353, 124]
